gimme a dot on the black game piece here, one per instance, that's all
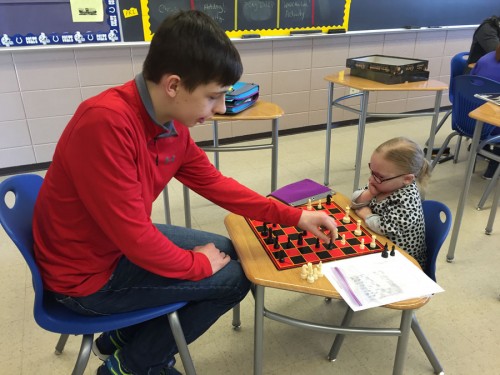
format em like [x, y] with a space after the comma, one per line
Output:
[264, 230]
[329, 199]
[393, 251]
[317, 243]
[276, 243]
[304, 232]
[385, 253]
[281, 256]
[330, 246]
[274, 225]
[289, 243]
[269, 239]
[300, 239]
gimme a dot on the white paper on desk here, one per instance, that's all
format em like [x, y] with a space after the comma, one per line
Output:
[370, 280]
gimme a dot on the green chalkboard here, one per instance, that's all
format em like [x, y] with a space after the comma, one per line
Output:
[268, 17]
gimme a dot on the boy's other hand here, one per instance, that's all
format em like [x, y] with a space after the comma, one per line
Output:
[217, 258]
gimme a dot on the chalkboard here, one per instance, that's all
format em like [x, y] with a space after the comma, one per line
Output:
[393, 14]
[267, 17]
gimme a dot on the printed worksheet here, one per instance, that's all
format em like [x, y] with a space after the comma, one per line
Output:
[372, 280]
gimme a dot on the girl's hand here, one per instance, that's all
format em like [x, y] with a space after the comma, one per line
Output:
[363, 212]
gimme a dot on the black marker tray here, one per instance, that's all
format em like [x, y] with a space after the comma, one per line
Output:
[387, 64]
[390, 79]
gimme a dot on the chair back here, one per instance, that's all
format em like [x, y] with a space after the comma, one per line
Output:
[437, 225]
[464, 102]
[16, 216]
[458, 64]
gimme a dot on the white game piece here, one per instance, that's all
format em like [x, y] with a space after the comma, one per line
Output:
[373, 244]
[362, 245]
[315, 274]
[304, 271]
[319, 205]
[309, 205]
[342, 241]
[358, 231]
[309, 268]
[310, 278]
[320, 269]
[346, 219]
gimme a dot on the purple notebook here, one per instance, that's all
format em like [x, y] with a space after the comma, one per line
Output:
[300, 192]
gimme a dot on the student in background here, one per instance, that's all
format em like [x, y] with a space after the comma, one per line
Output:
[95, 243]
[488, 66]
[485, 39]
[390, 204]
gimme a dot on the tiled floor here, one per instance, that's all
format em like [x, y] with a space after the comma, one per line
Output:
[461, 323]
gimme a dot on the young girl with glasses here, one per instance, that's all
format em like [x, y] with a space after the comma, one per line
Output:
[390, 204]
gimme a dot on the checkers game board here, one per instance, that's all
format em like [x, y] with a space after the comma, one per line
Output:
[291, 255]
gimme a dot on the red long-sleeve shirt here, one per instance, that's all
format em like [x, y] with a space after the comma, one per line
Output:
[96, 200]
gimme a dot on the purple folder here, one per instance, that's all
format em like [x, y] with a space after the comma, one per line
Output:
[300, 192]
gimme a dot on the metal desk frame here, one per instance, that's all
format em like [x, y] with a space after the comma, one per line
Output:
[365, 86]
[489, 113]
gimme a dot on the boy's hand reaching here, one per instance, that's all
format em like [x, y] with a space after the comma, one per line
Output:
[319, 224]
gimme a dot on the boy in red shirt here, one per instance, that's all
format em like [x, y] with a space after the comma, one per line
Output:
[95, 243]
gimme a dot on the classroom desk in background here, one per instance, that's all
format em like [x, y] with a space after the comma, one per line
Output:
[260, 270]
[261, 110]
[366, 86]
[487, 113]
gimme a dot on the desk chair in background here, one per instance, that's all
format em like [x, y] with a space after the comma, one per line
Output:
[458, 64]
[465, 86]
[437, 226]
[17, 199]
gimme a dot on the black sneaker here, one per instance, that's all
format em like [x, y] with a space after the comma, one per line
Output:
[112, 366]
[108, 343]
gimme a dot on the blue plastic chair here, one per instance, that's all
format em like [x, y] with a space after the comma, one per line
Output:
[464, 101]
[16, 219]
[437, 218]
[437, 226]
[458, 64]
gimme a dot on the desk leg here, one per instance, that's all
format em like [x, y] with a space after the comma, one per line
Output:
[435, 117]
[258, 345]
[405, 328]
[493, 210]
[328, 134]
[216, 143]
[361, 137]
[274, 156]
[166, 206]
[465, 191]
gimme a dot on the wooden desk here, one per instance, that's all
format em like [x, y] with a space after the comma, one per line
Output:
[261, 110]
[262, 273]
[366, 86]
[489, 113]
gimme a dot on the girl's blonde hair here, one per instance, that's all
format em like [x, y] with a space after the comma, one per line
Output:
[408, 157]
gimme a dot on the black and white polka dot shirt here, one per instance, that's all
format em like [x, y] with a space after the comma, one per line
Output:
[400, 218]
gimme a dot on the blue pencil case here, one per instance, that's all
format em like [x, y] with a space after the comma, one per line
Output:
[241, 96]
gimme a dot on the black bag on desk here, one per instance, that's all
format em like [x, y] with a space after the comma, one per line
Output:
[241, 96]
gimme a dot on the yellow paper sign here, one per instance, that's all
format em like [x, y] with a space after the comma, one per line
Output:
[132, 12]
[87, 10]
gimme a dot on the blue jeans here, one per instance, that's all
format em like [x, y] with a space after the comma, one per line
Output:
[151, 344]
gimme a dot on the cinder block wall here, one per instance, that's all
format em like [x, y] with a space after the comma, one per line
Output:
[40, 87]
